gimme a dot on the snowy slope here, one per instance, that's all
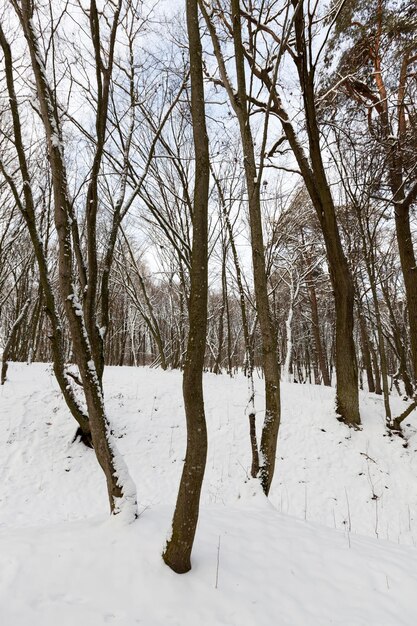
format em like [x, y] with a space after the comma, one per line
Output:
[64, 562]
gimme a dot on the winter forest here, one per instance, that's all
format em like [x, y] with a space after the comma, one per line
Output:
[208, 312]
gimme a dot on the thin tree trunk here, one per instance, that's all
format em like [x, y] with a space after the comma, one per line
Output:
[318, 347]
[382, 352]
[399, 345]
[288, 329]
[10, 340]
[219, 357]
[366, 354]
[249, 354]
[409, 270]
[239, 102]
[269, 343]
[177, 554]
[378, 388]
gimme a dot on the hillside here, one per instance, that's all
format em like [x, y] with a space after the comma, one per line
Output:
[335, 544]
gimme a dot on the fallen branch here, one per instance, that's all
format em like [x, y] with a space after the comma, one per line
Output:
[395, 424]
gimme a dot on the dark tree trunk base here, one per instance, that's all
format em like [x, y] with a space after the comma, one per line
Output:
[83, 437]
[179, 563]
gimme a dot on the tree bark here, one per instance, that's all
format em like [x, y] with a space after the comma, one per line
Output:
[177, 554]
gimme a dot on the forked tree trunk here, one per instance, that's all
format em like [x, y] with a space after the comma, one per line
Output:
[121, 490]
[239, 102]
[27, 208]
[269, 343]
[394, 126]
[177, 554]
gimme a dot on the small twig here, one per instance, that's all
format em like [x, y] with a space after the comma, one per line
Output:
[348, 508]
[145, 508]
[368, 457]
[349, 518]
[74, 377]
[305, 501]
[244, 469]
[218, 564]
[170, 443]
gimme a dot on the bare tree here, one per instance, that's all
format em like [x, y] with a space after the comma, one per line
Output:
[305, 56]
[177, 553]
[240, 103]
[121, 491]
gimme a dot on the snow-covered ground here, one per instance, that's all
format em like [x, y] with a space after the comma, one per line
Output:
[334, 545]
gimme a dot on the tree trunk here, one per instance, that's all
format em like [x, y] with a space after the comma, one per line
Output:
[378, 388]
[409, 270]
[366, 354]
[177, 554]
[318, 347]
[269, 343]
[239, 101]
[288, 329]
[121, 490]
[314, 175]
[219, 357]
